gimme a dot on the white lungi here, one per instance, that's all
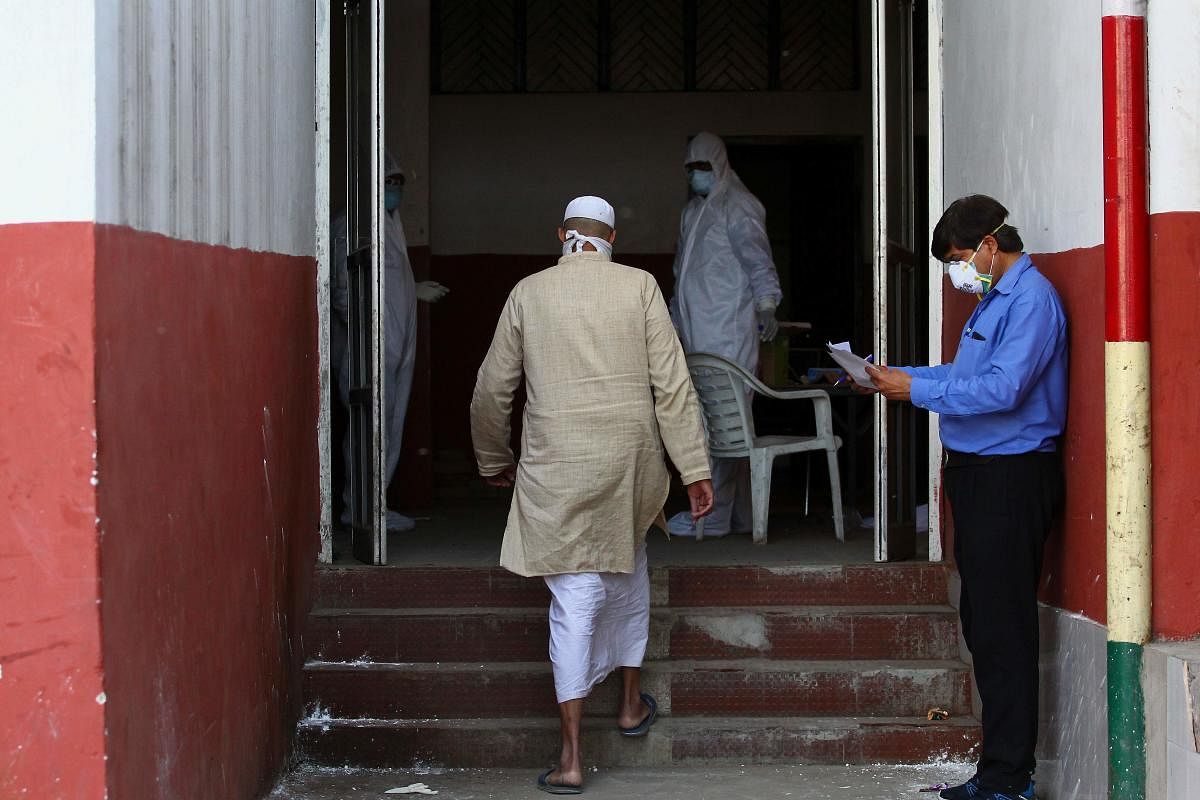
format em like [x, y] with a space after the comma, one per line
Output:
[598, 621]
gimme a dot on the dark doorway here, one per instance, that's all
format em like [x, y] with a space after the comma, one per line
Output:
[813, 192]
[812, 189]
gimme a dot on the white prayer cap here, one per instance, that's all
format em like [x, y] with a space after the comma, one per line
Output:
[590, 207]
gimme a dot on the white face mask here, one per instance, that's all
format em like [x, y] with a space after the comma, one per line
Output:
[575, 241]
[964, 275]
[966, 278]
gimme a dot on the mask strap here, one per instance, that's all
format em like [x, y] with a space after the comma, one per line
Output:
[985, 280]
[575, 241]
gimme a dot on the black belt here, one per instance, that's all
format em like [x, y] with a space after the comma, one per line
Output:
[956, 458]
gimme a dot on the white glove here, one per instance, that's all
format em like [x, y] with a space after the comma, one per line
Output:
[767, 324]
[431, 291]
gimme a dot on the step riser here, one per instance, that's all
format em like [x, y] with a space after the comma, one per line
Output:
[456, 587]
[534, 749]
[803, 638]
[838, 694]
[503, 638]
[807, 586]
[433, 587]
[701, 692]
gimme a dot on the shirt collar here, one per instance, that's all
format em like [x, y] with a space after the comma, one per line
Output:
[586, 255]
[1008, 281]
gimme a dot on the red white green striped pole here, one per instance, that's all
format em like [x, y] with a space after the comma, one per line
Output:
[1127, 387]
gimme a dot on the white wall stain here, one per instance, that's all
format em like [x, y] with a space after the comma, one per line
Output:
[736, 630]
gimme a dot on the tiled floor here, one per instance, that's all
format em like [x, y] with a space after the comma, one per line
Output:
[467, 532]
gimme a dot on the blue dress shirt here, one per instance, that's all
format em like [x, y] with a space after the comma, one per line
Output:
[1006, 390]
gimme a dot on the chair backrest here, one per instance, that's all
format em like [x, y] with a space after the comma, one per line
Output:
[725, 400]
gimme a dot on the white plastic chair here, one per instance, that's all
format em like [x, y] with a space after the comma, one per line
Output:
[724, 391]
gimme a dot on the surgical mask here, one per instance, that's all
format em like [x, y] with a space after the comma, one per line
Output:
[391, 197]
[701, 180]
[575, 241]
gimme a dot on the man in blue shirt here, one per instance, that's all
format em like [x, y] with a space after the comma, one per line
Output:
[1002, 404]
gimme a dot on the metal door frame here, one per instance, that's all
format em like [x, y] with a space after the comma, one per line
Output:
[936, 200]
[364, 251]
[879, 246]
[321, 250]
[374, 525]
[879, 239]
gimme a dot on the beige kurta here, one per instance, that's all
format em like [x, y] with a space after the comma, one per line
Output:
[607, 385]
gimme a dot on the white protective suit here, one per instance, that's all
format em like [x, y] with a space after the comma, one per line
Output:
[723, 274]
[400, 338]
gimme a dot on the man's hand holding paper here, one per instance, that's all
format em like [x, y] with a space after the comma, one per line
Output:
[894, 384]
[855, 366]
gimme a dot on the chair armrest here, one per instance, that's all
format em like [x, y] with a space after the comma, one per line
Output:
[792, 394]
[711, 360]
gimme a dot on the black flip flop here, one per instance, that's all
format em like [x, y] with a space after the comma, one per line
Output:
[545, 785]
[643, 727]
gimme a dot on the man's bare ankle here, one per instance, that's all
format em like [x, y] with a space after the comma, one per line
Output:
[571, 776]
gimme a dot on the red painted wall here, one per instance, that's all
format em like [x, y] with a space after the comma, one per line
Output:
[1175, 416]
[1074, 575]
[1074, 569]
[206, 394]
[52, 737]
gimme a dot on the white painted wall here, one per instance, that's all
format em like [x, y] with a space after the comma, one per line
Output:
[1022, 111]
[505, 166]
[47, 98]
[1173, 30]
[1171, 680]
[1073, 716]
[204, 112]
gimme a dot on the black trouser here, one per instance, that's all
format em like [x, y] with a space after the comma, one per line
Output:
[1003, 509]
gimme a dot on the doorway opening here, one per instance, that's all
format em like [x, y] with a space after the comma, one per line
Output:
[498, 118]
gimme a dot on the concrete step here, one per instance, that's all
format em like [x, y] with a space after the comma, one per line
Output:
[674, 586]
[708, 741]
[845, 585]
[522, 634]
[745, 687]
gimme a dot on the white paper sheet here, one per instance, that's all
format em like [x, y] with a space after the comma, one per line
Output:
[855, 366]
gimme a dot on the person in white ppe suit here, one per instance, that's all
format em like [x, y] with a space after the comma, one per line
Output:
[726, 293]
[401, 293]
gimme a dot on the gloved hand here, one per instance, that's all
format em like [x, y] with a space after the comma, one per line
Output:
[431, 291]
[767, 325]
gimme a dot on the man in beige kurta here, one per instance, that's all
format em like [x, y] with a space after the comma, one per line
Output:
[607, 387]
